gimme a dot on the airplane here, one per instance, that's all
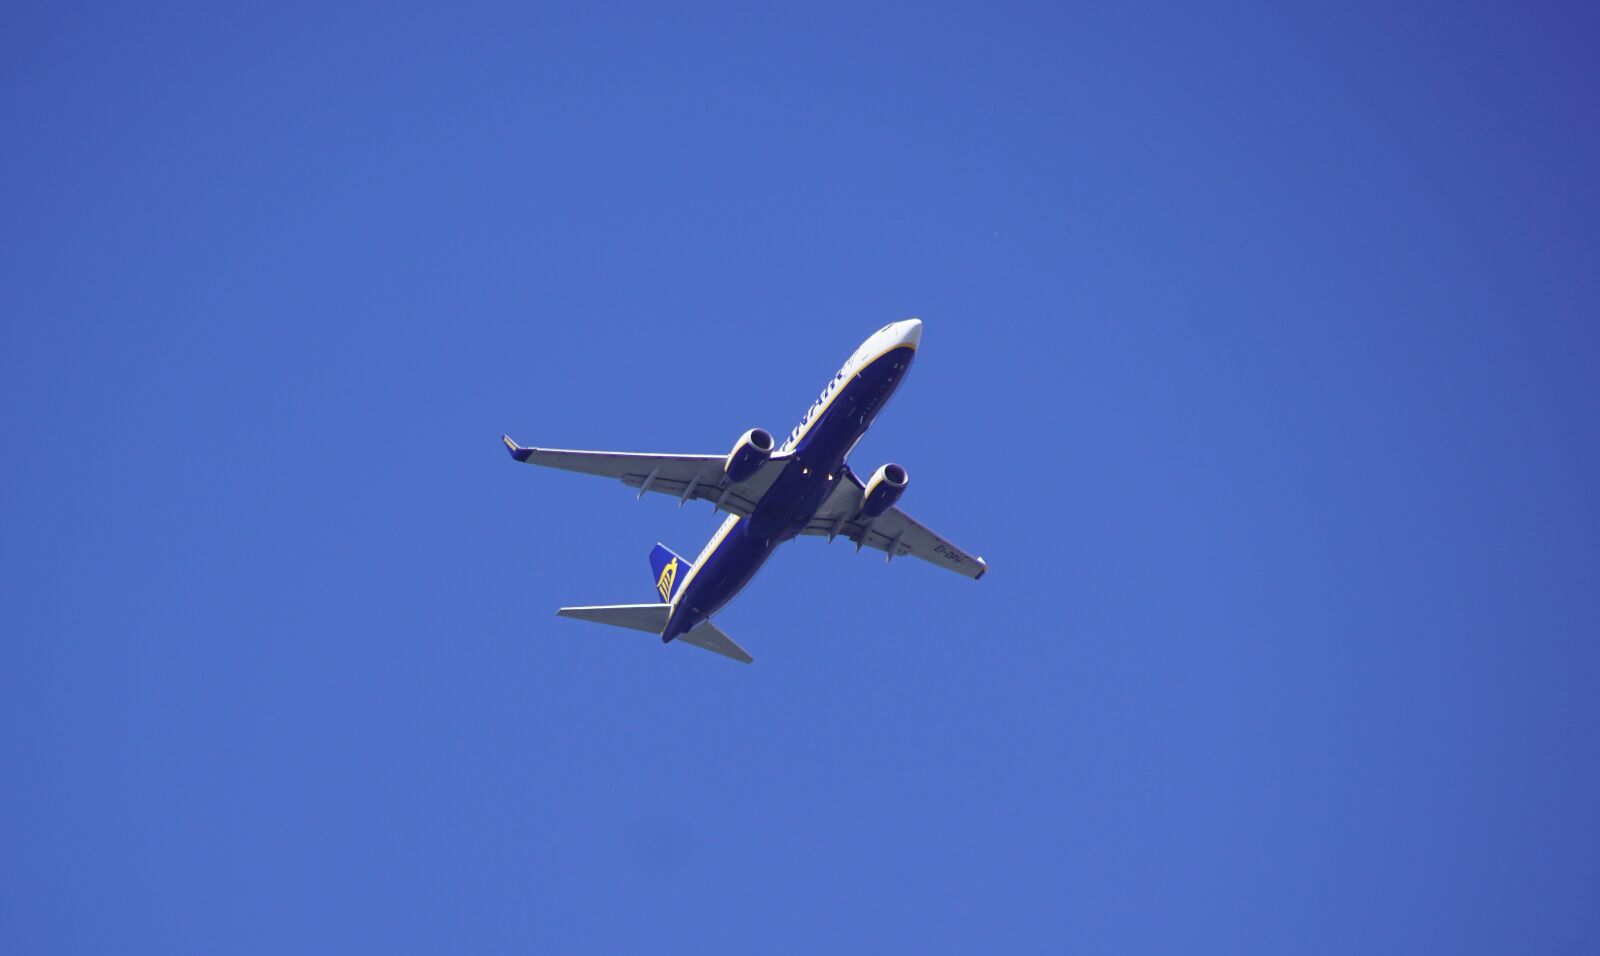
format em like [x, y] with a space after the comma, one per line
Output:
[772, 495]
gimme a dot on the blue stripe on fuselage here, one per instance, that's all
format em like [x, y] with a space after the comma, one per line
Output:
[789, 505]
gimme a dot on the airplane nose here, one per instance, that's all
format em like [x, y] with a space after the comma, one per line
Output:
[910, 332]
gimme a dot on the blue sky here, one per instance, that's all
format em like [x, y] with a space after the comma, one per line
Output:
[1259, 361]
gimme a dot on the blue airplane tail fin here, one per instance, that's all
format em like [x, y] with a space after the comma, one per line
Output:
[669, 570]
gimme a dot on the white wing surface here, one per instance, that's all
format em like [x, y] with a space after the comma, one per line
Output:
[894, 532]
[701, 478]
[685, 477]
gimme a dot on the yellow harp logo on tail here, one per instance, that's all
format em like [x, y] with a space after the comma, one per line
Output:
[668, 575]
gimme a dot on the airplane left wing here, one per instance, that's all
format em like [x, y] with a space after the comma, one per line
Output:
[894, 532]
[686, 477]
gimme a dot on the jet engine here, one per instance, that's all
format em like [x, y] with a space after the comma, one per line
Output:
[887, 485]
[749, 453]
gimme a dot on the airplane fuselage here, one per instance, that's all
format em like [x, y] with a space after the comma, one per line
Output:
[813, 458]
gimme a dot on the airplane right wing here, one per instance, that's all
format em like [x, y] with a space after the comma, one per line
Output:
[686, 477]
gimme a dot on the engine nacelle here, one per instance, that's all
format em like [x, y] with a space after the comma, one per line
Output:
[749, 453]
[887, 485]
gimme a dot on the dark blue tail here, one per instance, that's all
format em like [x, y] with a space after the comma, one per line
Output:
[670, 571]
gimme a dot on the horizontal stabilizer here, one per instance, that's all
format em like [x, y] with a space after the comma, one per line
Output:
[710, 637]
[652, 618]
[639, 617]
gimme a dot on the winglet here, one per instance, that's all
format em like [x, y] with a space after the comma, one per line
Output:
[516, 450]
[983, 568]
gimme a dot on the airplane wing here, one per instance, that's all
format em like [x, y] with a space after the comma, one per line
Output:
[894, 532]
[686, 477]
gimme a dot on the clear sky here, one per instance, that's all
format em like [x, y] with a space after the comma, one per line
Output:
[1259, 360]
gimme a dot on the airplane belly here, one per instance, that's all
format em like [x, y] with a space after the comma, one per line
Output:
[818, 459]
[787, 507]
[813, 467]
[724, 575]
